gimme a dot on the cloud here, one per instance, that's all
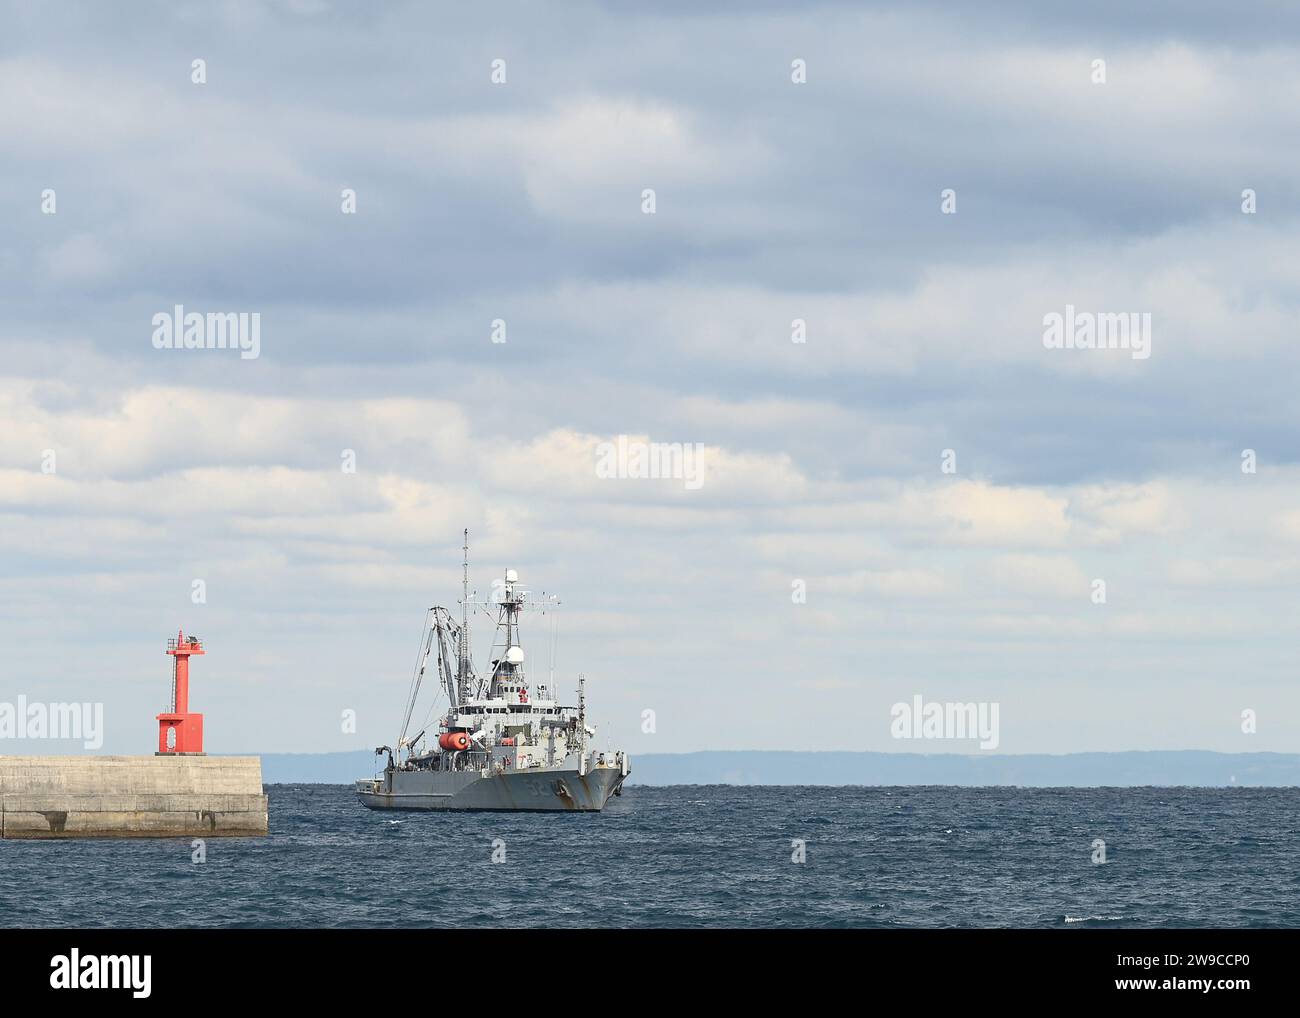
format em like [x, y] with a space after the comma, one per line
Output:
[776, 202]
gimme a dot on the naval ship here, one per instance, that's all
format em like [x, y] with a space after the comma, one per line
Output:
[501, 743]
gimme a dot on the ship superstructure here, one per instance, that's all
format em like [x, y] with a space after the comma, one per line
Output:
[502, 742]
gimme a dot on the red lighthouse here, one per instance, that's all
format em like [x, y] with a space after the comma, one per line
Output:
[187, 727]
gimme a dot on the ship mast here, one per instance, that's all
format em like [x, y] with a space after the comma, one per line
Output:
[462, 651]
[582, 724]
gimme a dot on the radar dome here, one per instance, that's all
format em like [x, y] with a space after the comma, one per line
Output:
[515, 656]
[512, 576]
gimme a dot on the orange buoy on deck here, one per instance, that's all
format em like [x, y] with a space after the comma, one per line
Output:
[453, 740]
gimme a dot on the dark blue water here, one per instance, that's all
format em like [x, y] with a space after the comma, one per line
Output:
[702, 856]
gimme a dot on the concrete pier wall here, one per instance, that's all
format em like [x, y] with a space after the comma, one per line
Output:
[131, 796]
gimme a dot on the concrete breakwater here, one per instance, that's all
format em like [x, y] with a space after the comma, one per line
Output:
[131, 796]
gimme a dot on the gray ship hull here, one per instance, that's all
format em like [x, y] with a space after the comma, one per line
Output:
[535, 790]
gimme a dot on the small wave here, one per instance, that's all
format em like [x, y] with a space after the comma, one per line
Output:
[1093, 918]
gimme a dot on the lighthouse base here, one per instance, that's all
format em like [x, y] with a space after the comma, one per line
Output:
[180, 733]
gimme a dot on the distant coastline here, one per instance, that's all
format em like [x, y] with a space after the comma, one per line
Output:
[1160, 768]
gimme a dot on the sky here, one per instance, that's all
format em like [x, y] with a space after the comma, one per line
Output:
[908, 494]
